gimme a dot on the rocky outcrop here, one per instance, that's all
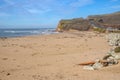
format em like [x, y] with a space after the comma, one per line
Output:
[76, 24]
[111, 19]
[107, 21]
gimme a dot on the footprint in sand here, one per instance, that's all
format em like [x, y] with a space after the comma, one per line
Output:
[4, 58]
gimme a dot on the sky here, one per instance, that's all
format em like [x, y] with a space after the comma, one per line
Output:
[47, 13]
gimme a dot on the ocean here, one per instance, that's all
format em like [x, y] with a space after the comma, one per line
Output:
[26, 32]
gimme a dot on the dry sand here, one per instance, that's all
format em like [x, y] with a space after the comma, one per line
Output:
[55, 57]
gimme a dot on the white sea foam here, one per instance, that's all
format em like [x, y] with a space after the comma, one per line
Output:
[22, 31]
[25, 32]
[9, 31]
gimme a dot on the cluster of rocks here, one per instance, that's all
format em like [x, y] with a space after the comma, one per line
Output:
[113, 39]
[108, 60]
[111, 58]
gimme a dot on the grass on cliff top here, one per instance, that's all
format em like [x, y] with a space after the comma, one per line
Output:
[65, 21]
[104, 30]
[99, 30]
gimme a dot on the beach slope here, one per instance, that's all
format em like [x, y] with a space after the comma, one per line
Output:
[55, 57]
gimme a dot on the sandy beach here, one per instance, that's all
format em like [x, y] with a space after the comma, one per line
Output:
[55, 57]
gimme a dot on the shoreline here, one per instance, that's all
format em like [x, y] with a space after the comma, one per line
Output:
[11, 33]
[32, 35]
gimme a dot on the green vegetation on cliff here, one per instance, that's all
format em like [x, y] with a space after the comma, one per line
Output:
[99, 30]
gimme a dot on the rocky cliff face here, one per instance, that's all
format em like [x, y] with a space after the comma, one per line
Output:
[106, 21]
[103, 21]
[76, 24]
[111, 19]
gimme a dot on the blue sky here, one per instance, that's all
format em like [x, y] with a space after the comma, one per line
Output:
[47, 13]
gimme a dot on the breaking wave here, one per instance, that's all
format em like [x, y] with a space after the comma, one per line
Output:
[25, 32]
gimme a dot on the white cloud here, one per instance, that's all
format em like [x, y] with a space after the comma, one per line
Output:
[33, 10]
[44, 6]
[37, 11]
[81, 3]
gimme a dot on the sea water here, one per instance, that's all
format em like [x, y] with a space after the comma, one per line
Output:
[26, 32]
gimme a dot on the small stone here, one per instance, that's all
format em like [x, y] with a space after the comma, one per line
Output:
[97, 65]
[117, 57]
[88, 68]
[8, 74]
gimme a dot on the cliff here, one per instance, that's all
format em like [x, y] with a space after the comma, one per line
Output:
[76, 24]
[112, 19]
[101, 21]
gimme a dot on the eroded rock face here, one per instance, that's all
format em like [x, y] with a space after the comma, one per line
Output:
[112, 19]
[107, 21]
[76, 24]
